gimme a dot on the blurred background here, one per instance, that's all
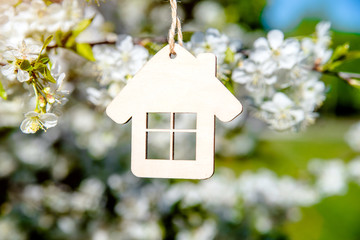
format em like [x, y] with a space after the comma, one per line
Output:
[74, 181]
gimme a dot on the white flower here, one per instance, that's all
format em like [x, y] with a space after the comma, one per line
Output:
[55, 93]
[34, 151]
[23, 76]
[312, 94]
[67, 225]
[323, 33]
[331, 176]
[317, 50]
[281, 112]
[34, 121]
[255, 75]
[106, 60]
[27, 49]
[89, 195]
[7, 163]
[98, 97]
[9, 71]
[121, 62]
[36, 16]
[132, 57]
[353, 169]
[10, 230]
[292, 77]
[352, 137]
[100, 235]
[207, 230]
[212, 41]
[283, 52]
[264, 187]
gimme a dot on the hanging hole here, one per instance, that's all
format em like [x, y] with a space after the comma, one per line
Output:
[172, 55]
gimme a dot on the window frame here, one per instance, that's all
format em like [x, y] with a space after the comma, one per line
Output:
[171, 130]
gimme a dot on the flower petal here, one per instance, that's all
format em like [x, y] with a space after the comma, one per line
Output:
[282, 101]
[48, 119]
[213, 31]
[260, 55]
[268, 67]
[25, 126]
[23, 76]
[261, 43]
[270, 80]
[298, 115]
[269, 106]
[275, 38]
[197, 37]
[31, 114]
[249, 66]
[322, 28]
[240, 76]
[307, 45]
[8, 70]
[287, 62]
[124, 43]
[290, 46]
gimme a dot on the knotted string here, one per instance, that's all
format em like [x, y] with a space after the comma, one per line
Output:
[174, 24]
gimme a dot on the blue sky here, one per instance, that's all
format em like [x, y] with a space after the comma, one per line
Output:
[287, 14]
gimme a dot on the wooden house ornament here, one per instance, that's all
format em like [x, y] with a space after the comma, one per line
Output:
[173, 87]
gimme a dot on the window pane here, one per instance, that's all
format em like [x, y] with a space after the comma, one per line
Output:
[184, 146]
[185, 120]
[157, 145]
[158, 120]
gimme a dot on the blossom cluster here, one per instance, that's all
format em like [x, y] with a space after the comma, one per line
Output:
[148, 209]
[282, 77]
[278, 78]
[74, 180]
[29, 73]
[115, 65]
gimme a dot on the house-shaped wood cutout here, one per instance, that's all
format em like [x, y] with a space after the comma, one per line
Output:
[172, 87]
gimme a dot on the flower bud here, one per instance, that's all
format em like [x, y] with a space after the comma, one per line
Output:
[42, 101]
[47, 90]
[50, 98]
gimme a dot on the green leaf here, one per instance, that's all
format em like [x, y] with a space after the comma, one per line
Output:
[43, 69]
[82, 25]
[187, 36]
[229, 56]
[48, 76]
[340, 52]
[332, 66]
[85, 50]
[25, 65]
[347, 66]
[46, 43]
[39, 66]
[352, 55]
[3, 94]
[354, 83]
[70, 42]
[58, 38]
[44, 59]
[153, 48]
[229, 85]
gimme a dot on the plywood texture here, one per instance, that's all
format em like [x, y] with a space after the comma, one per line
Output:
[184, 84]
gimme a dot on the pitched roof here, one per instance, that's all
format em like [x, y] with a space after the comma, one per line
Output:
[183, 84]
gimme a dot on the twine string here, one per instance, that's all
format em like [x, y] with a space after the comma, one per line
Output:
[175, 24]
